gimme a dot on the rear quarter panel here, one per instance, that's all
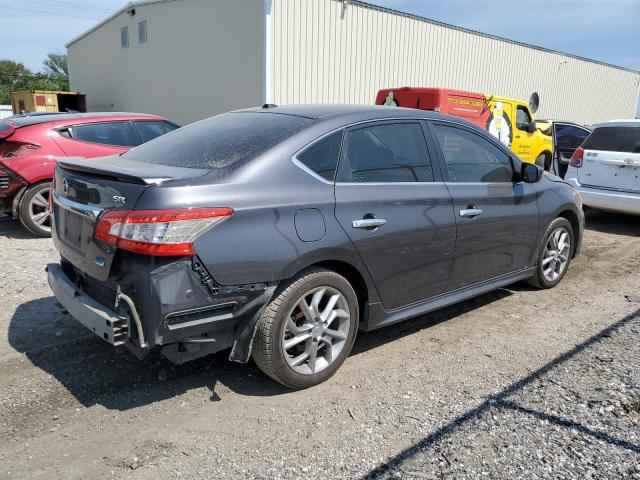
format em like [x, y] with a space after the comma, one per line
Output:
[40, 165]
[259, 243]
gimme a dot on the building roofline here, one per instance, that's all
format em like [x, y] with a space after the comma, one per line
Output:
[392, 11]
[125, 8]
[482, 34]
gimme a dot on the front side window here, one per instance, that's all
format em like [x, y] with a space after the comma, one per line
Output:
[523, 119]
[124, 36]
[387, 153]
[105, 133]
[471, 158]
[150, 129]
[322, 157]
[568, 136]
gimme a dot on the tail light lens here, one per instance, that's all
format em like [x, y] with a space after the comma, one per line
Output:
[576, 158]
[158, 232]
[16, 149]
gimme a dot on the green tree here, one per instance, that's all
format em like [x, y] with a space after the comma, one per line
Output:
[11, 74]
[56, 64]
[56, 67]
[15, 76]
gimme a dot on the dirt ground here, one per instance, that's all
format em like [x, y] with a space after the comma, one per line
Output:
[517, 383]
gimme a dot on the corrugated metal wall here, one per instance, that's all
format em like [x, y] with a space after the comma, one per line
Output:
[323, 52]
[201, 58]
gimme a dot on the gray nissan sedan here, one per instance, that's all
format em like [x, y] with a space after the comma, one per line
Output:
[279, 232]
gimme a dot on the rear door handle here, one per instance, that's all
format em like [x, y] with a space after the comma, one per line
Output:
[369, 223]
[470, 212]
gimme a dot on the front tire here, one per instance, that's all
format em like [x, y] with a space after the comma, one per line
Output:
[541, 161]
[554, 256]
[307, 330]
[34, 211]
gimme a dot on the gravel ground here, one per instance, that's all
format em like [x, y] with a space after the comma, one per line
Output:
[517, 383]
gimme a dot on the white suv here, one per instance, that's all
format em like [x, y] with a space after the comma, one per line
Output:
[605, 169]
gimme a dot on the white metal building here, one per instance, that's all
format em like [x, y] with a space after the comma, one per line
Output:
[190, 59]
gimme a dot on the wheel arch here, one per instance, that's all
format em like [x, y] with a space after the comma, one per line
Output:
[352, 275]
[573, 219]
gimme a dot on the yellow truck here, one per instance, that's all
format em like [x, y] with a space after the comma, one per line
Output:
[508, 119]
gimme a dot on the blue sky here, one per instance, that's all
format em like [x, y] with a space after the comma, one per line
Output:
[605, 30]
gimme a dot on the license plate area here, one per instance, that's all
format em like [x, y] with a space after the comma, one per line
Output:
[72, 227]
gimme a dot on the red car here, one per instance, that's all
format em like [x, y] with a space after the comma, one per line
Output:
[29, 146]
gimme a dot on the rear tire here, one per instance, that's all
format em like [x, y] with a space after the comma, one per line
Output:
[551, 267]
[290, 336]
[34, 211]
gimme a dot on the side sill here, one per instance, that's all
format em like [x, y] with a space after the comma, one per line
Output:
[380, 317]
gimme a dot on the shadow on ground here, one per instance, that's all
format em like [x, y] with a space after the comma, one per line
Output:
[502, 401]
[613, 223]
[11, 228]
[96, 373]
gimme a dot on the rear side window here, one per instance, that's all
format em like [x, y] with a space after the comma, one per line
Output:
[220, 141]
[568, 136]
[471, 158]
[387, 153]
[105, 133]
[322, 157]
[614, 139]
[148, 130]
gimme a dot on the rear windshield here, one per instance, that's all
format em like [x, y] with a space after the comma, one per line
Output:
[614, 139]
[219, 142]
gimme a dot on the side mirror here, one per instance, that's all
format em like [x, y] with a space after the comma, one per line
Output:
[530, 173]
[531, 128]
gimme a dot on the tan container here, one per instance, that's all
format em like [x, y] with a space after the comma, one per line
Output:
[47, 101]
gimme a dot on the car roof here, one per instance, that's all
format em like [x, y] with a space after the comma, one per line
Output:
[354, 112]
[619, 123]
[62, 117]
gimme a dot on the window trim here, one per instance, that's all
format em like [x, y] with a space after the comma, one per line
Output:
[71, 128]
[298, 163]
[428, 135]
[513, 159]
[435, 167]
[146, 34]
[122, 30]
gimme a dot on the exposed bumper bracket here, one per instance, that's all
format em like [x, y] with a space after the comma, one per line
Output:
[107, 324]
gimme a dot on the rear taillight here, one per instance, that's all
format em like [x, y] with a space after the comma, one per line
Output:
[576, 158]
[158, 232]
[17, 149]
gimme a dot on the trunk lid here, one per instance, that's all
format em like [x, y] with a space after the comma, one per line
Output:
[611, 159]
[83, 190]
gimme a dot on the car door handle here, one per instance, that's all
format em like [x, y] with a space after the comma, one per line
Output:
[470, 212]
[369, 223]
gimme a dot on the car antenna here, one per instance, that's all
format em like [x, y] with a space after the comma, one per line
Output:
[269, 105]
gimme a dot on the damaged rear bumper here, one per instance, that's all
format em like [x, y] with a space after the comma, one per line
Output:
[175, 308]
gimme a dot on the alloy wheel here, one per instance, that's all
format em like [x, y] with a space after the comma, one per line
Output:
[316, 330]
[555, 257]
[39, 210]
